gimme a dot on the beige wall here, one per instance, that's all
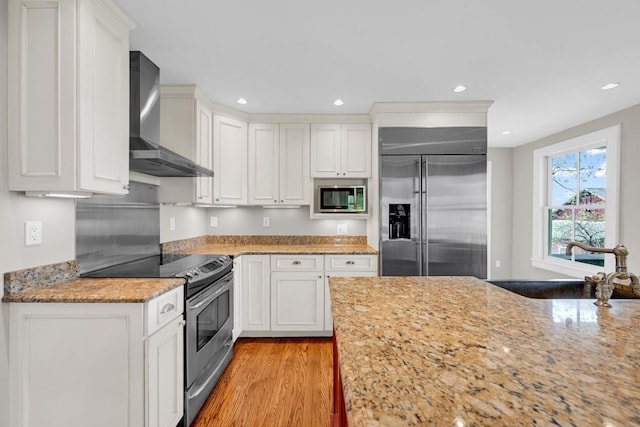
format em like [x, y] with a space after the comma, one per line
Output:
[500, 161]
[629, 193]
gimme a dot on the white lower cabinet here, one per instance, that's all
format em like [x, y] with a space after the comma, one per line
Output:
[164, 375]
[288, 295]
[256, 291]
[97, 364]
[297, 301]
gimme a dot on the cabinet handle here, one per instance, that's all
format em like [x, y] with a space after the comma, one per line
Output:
[125, 187]
[296, 262]
[167, 307]
[182, 322]
[350, 262]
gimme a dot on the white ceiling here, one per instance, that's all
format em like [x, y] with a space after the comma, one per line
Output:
[542, 62]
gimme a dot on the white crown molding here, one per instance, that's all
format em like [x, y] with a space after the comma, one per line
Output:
[430, 107]
[309, 118]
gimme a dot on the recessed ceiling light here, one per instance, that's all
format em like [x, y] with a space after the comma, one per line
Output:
[506, 132]
[338, 102]
[241, 101]
[459, 88]
[610, 86]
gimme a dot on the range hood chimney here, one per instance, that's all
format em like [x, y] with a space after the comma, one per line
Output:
[146, 155]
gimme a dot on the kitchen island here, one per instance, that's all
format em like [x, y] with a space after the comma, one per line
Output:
[459, 351]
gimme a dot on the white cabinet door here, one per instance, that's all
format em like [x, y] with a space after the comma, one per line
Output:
[165, 375]
[325, 151]
[295, 182]
[256, 293]
[238, 297]
[297, 301]
[186, 127]
[68, 97]
[103, 97]
[76, 365]
[204, 144]
[356, 150]
[279, 164]
[230, 161]
[264, 143]
[341, 150]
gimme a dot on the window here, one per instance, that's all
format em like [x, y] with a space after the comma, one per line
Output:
[576, 199]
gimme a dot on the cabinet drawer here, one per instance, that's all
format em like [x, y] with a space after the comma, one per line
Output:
[297, 262]
[351, 262]
[164, 308]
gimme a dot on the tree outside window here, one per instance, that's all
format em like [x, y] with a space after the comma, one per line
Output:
[576, 208]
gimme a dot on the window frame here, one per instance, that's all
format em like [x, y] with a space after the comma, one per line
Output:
[609, 137]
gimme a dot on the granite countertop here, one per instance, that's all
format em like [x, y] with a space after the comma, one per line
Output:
[459, 351]
[97, 290]
[237, 249]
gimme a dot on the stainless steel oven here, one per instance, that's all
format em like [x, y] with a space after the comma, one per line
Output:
[208, 341]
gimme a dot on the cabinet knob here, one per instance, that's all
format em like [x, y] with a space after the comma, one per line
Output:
[320, 277]
[217, 200]
[281, 201]
[350, 262]
[125, 187]
[344, 173]
[338, 173]
[275, 201]
[296, 262]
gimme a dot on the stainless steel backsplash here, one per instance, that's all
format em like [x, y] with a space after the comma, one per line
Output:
[112, 230]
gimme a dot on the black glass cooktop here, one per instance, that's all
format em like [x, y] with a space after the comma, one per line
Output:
[169, 265]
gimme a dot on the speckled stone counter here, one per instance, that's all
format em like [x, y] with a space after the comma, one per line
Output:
[258, 245]
[92, 290]
[258, 249]
[459, 351]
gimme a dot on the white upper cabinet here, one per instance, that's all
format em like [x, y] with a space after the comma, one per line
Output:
[229, 161]
[264, 148]
[279, 164]
[186, 127]
[68, 97]
[341, 150]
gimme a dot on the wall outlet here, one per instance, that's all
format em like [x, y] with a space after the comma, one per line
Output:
[498, 263]
[342, 228]
[265, 221]
[213, 221]
[32, 233]
[172, 224]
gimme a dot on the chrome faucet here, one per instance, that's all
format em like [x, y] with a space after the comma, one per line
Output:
[604, 282]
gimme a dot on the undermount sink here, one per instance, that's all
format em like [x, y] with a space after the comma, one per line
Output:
[548, 289]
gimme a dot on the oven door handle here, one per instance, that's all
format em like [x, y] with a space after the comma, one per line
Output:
[211, 297]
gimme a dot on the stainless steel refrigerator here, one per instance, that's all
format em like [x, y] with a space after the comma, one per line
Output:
[433, 201]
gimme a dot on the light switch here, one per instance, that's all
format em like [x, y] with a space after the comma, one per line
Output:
[265, 221]
[172, 224]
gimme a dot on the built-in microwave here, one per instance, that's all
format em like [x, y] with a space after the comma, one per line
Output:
[341, 198]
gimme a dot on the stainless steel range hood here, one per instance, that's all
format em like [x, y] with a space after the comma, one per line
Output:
[146, 155]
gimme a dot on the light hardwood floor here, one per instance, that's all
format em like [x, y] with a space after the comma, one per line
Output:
[273, 382]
